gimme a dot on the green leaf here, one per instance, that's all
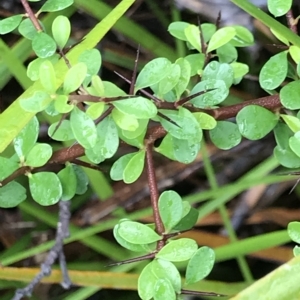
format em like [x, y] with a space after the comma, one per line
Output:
[82, 180]
[212, 98]
[61, 104]
[205, 121]
[286, 157]
[188, 221]
[294, 143]
[227, 53]
[239, 71]
[137, 233]
[74, 77]
[146, 283]
[200, 265]
[125, 244]
[153, 72]
[184, 77]
[27, 137]
[27, 29]
[176, 29]
[124, 121]
[282, 134]
[217, 71]
[135, 167]
[117, 169]
[45, 188]
[63, 133]
[178, 250]
[165, 269]
[290, 95]
[7, 166]
[274, 71]
[296, 251]
[169, 81]
[166, 147]
[170, 209]
[55, 5]
[43, 45]
[196, 62]
[220, 38]
[294, 231]
[225, 135]
[279, 7]
[138, 107]
[295, 53]
[47, 76]
[187, 126]
[67, 177]
[163, 290]
[97, 86]
[243, 37]
[292, 122]
[37, 102]
[61, 29]
[255, 122]
[12, 194]
[38, 155]
[33, 69]
[186, 151]
[84, 129]
[92, 59]
[208, 30]
[95, 110]
[9, 24]
[141, 130]
[192, 34]
[107, 141]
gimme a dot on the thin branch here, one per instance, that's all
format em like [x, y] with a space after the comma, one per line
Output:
[291, 21]
[56, 252]
[152, 182]
[31, 15]
[133, 78]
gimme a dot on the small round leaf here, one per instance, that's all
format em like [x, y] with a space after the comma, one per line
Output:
[38, 155]
[274, 71]
[61, 29]
[294, 231]
[170, 209]
[137, 233]
[225, 135]
[47, 76]
[84, 128]
[255, 122]
[9, 24]
[37, 102]
[74, 77]
[200, 265]
[178, 250]
[43, 45]
[290, 95]
[67, 177]
[220, 38]
[146, 283]
[63, 132]
[27, 137]
[117, 169]
[12, 194]
[163, 290]
[55, 5]
[45, 188]
[135, 167]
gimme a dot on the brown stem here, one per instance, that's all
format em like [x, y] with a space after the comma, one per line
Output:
[154, 193]
[291, 21]
[31, 15]
[133, 78]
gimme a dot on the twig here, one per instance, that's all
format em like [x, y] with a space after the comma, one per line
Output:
[291, 21]
[31, 15]
[152, 182]
[56, 251]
